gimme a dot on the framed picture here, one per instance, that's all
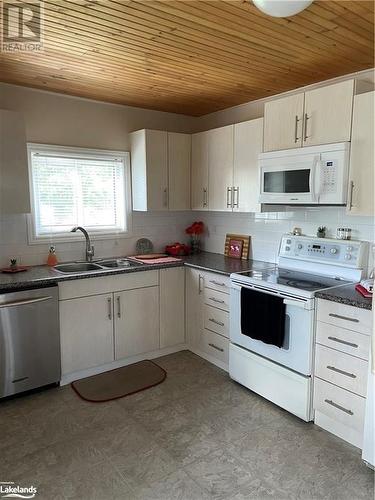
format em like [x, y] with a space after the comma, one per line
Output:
[237, 246]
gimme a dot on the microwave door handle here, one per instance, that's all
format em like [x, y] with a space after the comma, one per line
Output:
[314, 174]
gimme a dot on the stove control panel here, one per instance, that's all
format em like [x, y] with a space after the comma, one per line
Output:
[324, 250]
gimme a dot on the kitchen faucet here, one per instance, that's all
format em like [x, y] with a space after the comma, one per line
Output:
[89, 247]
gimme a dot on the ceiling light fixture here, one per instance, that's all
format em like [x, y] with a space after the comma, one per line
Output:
[282, 8]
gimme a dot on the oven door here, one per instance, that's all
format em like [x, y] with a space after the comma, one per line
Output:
[290, 180]
[296, 352]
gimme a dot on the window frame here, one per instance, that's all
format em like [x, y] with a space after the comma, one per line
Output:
[70, 151]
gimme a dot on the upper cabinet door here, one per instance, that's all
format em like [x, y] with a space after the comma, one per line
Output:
[283, 123]
[179, 160]
[14, 175]
[199, 171]
[361, 176]
[149, 157]
[328, 114]
[248, 142]
[220, 168]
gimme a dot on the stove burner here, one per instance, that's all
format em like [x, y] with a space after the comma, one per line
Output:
[307, 285]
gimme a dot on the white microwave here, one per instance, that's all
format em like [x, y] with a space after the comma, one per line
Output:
[315, 175]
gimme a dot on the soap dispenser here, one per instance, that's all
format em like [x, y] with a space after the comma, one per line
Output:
[52, 258]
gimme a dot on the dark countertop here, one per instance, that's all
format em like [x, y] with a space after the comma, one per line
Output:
[347, 295]
[218, 263]
[40, 276]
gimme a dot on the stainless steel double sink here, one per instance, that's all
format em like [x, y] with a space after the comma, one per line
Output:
[80, 267]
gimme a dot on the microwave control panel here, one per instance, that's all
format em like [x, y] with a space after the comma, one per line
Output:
[328, 176]
[340, 252]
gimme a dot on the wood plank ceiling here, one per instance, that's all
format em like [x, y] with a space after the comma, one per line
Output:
[191, 56]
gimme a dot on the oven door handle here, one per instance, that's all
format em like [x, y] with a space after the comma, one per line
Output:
[295, 303]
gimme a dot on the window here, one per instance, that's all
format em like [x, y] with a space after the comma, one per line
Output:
[78, 187]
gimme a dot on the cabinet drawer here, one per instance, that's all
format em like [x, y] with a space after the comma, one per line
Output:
[343, 316]
[216, 346]
[216, 299]
[216, 320]
[217, 282]
[341, 369]
[106, 284]
[340, 405]
[343, 340]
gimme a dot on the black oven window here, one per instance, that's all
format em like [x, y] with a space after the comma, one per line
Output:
[287, 181]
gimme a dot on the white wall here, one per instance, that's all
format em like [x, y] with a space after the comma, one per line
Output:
[266, 229]
[161, 228]
[69, 121]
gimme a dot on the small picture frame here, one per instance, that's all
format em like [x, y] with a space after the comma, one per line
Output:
[237, 246]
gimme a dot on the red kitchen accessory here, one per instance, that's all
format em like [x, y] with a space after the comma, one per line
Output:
[362, 290]
[177, 249]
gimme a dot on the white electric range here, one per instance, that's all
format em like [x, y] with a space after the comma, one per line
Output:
[305, 265]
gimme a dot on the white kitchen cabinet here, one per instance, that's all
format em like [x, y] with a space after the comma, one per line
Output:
[343, 336]
[86, 332]
[160, 170]
[362, 162]
[248, 143]
[318, 116]
[283, 123]
[179, 161]
[328, 114]
[172, 307]
[14, 176]
[207, 325]
[199, 171]
[220, 168]
[194, 306]
[136, 315]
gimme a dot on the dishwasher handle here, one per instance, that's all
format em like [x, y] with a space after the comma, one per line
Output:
[25, 302]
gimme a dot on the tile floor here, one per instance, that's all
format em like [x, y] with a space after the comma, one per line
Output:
[196, 436]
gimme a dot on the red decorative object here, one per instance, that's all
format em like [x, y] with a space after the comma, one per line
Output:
[235, 248]
[362, 290]
[177, 249]
[15, 269]
[195, 229]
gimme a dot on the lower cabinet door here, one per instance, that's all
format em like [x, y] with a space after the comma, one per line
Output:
[86, 332]
[172, 307]
[136, 321]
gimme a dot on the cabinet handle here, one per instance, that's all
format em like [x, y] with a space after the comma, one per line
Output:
[350, 344]
[229, 197]
[339, 407]
[217, 283]
[205, 197]
[118, 307]
[199, 284]
[305, 136]
[216, 347]
[296, 138]
[216, 300]
[236, 199]
[109, 302]
[216, 322]
[165, 196]
[342, 372]
[351, 189]
[333, 315]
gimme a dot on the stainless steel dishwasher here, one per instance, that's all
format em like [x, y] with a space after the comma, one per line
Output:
[29, 340]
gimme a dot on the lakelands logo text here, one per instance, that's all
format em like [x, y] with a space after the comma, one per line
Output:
[21, 25]
[9, 489]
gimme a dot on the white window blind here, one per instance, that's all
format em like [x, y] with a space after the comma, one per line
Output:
[72, 190]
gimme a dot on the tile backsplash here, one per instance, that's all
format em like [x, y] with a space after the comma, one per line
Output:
[162, 228]
[267, 228]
